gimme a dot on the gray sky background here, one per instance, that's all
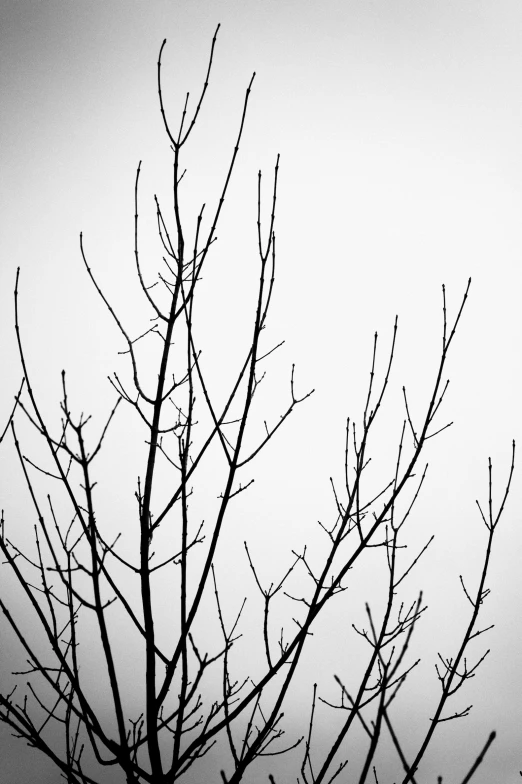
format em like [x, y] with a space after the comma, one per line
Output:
[399, 127]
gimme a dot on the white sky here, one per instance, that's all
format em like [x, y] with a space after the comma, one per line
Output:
[399, 126]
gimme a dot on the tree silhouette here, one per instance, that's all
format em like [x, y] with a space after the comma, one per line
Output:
[193, 704]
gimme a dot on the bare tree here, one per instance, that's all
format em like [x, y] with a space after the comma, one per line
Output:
[78, 575]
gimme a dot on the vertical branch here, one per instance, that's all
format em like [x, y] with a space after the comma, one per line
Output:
[184, 447]
[100, 613]
[260, 317]
[451, 666]
[11, 415]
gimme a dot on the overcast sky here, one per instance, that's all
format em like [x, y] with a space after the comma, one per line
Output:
[399, 124]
